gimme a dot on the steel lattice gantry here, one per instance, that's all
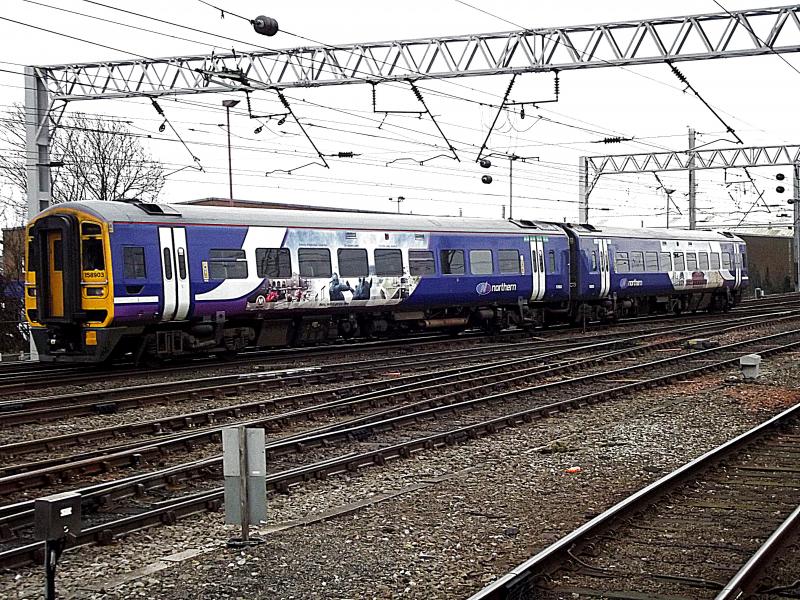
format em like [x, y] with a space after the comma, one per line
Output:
[698, 37]
[722, 158]
[591, 168]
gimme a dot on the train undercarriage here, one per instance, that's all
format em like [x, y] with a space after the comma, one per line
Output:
[226, 337]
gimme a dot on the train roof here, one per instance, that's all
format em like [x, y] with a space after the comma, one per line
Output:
[136, 212]
[139, 212]
[653, 233]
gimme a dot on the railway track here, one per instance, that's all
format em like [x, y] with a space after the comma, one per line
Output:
[112, 400]
[514, 366]
[24, 377]
[440, 420]
[710, 529]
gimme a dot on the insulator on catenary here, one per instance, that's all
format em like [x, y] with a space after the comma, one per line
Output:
[265, 25]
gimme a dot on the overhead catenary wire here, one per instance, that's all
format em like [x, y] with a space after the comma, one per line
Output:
[160, 20]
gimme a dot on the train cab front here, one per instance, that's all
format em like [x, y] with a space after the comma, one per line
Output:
[68, 292]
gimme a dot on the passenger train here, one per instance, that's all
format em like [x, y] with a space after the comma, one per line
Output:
[106, 280]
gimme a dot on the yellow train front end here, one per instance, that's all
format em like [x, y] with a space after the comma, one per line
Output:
[69, 294]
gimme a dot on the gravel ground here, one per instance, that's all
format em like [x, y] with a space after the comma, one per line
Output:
[440, 525]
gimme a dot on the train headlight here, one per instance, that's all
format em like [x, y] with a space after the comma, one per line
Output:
[32, 292]
[94, 291]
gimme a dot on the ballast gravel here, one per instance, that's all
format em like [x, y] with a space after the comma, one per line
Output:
[441, 524]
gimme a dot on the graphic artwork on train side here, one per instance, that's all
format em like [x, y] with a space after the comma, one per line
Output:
[348, 276]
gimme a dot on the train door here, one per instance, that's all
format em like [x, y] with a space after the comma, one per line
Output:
[174, 273]
[54, 254]
[604, 266]
[737, 264]
[55, 265]
[537, 269]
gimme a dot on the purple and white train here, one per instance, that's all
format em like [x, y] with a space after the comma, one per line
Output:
[109, 279]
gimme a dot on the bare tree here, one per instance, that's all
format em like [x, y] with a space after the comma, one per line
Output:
[101, 159]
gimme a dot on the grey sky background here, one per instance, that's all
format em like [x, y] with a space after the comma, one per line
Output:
[756, 96]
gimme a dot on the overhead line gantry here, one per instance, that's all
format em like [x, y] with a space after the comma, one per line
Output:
[627, 43]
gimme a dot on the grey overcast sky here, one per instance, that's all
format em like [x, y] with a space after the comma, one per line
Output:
[756, 96]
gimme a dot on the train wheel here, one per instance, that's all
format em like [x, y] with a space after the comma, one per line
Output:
[227, 355]
[150, 361]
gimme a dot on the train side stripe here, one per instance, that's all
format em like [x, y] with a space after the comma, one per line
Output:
[136, 300]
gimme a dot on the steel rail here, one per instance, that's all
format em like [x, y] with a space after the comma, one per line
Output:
[187, 420]
[47, 375]
[41, 473]
[14, 411]
[170, 512]
[373, 395]
[18, 412]
[745, 581]
[23, 377]
[521, 577]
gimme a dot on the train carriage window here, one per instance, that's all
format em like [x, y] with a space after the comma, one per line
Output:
[726, 260]
[273, 262]
[133, 262]
[388, 262]
[352, 262]
[744, 260]
[715, 260]
[181, 263]
[452, 262]
[551, 261]
[702, 260]
[665, 261]
[651, 262]
[637, 262]
[621, 264]
[227, 264]
[58, 255]
[31, 257]
[90, 229]
[594, 260]
[737, 260]
[167, 264]
[420, 262]
[480, 262]
[680, 264]
[314, 262]
[92, 253]
[508, 261]
[691, 261]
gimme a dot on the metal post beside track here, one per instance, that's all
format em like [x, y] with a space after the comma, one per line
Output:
[57, 519]
[244, 467]
[796, 221]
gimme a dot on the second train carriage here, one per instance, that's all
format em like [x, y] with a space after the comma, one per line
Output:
[627, 272]
[110, 278]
